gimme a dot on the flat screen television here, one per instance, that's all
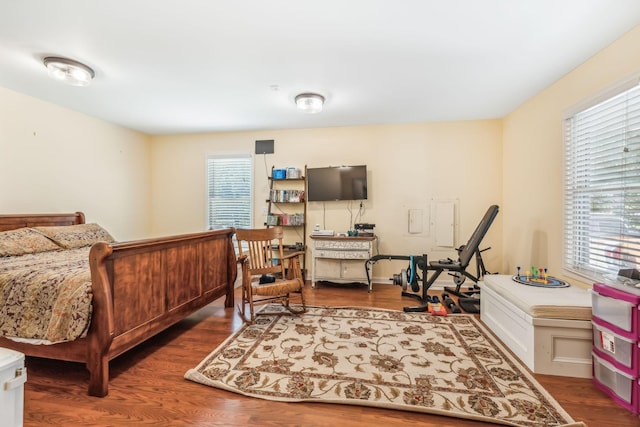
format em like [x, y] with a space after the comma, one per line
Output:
[337, 183]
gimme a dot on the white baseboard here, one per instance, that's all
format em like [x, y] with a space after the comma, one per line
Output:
[437, 285]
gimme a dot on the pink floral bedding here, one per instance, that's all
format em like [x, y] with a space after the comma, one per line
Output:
[46, 296]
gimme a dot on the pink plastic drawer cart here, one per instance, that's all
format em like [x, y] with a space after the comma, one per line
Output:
[616, 332]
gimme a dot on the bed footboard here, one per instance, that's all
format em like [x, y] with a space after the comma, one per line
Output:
[143, 287]
[139, 289]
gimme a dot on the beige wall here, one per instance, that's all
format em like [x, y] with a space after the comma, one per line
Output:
[55, 160]
[533, 158]
[409, 166]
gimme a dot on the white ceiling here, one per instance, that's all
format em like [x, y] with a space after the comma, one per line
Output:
[182, 66]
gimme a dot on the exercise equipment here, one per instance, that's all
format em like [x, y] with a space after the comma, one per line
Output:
[410, 277]
[470, 305]
[414, 276]
[458, 269]
[451, 305]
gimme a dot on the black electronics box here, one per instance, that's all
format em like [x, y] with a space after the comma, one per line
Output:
[630, 273]
[264, 146]
[365, 230]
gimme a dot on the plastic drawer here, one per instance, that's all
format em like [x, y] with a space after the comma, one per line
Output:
[616, 309]
[621, 351]
[622, 387]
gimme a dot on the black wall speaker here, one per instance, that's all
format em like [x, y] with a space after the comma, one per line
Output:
[264, 146]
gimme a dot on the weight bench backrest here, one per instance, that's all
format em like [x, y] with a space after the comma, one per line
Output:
[474, 241]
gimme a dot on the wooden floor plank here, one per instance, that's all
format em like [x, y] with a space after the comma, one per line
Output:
[147, 385]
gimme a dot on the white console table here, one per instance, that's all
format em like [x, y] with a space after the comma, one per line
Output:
[340, 259]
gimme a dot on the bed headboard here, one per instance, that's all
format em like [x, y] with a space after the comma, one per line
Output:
[11, 222]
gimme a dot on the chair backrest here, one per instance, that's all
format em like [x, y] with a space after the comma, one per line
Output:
[474, 241]
[259, 246]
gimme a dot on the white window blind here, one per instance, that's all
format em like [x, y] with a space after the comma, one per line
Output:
[602, 187]
[229, 191]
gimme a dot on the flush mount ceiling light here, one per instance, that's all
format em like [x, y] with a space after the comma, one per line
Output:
[310, 102]
[68, 71]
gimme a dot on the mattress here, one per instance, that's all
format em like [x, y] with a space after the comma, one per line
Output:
[46, 296]
[570, 303]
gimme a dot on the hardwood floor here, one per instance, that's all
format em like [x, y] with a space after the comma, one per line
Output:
[147, 385]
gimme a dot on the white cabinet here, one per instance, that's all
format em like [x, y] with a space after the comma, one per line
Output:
[340, 259]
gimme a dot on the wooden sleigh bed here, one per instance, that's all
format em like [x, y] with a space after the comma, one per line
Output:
[139, 288]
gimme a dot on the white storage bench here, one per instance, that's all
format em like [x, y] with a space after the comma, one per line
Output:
[548, 329]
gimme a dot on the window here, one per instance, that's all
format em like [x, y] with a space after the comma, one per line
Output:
[602, 186]
[229, 191]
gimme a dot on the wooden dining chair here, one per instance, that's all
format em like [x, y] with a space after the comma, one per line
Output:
[268, 275]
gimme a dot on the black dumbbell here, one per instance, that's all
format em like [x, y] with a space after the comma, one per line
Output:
[450, 304]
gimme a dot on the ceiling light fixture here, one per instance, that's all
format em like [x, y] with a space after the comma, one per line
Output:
[68, 71]
[310, 102]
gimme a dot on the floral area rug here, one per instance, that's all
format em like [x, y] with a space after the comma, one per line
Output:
[374, 357]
